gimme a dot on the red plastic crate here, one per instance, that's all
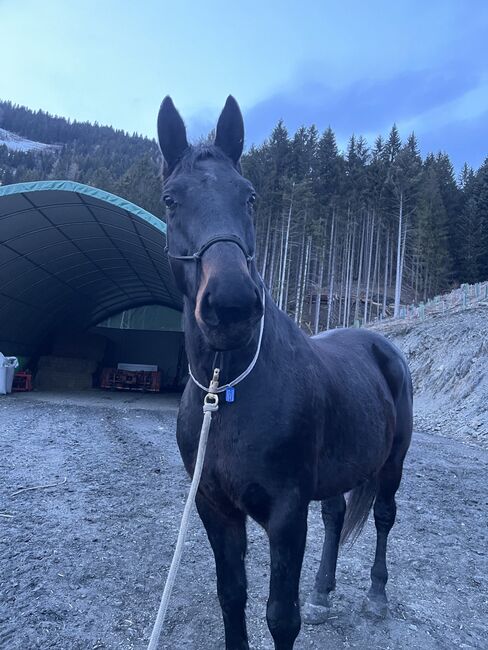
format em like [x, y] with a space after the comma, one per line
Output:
[22, 382]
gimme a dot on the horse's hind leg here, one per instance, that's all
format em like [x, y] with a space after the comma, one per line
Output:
[316, 609]
[227, 536]
[384, 518]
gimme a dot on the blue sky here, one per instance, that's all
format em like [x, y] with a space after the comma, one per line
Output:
[358, 66]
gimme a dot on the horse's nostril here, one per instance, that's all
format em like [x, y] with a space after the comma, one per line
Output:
[207, 310]
[206, 302]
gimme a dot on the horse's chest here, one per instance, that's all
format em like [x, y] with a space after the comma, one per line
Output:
[231, 447]
[246, 460]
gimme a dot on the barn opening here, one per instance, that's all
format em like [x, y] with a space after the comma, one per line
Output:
[85, 287]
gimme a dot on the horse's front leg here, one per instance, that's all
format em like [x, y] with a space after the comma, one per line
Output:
[287, 531]
[227, 536]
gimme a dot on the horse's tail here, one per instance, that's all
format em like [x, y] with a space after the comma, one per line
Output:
[358, 506]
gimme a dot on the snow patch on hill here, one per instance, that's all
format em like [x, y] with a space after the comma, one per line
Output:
[18, 143]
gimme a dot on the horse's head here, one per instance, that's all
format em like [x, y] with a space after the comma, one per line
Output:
[210, 226]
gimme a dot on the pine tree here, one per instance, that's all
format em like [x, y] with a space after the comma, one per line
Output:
[403, 181]
[451, 198]
[432, 231]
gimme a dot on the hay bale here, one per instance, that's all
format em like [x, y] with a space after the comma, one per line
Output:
[64, 373]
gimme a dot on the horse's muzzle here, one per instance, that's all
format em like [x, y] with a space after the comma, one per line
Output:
[228, 311]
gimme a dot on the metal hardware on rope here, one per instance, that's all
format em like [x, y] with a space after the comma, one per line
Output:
[210, 405]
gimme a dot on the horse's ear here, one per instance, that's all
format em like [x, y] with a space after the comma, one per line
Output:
[171, 133]
[229, 135]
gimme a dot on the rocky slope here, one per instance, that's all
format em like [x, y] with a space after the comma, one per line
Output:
[448, 357]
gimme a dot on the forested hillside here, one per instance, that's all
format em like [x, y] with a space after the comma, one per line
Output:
[341, 236]
[366, 229]
[127, 165]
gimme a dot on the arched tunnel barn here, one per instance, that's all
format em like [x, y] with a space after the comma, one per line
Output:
[84, 278]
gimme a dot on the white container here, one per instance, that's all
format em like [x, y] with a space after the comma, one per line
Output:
[7, 373]
[3, 380]
[134, 367]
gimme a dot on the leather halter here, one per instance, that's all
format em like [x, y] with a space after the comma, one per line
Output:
[196, 257]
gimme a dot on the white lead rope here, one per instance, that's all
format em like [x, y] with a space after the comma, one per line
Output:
[210, 405]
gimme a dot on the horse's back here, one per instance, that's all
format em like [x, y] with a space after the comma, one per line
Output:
[360, 346]
[363, 355]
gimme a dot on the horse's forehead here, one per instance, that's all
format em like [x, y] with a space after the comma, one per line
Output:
[209, 177]
[212, 175]
[213, 171]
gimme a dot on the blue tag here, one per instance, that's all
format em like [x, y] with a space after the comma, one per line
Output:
[229, 394]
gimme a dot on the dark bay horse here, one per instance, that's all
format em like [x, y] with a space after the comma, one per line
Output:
[317, 417]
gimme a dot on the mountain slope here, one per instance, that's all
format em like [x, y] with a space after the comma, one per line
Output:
[448, 358]
[38, 146]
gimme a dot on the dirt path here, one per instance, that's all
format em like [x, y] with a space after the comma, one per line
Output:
[82, 565]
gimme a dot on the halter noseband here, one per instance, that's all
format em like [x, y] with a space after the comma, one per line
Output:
[196, 257]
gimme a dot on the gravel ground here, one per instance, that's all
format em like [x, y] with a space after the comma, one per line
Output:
[82, 564]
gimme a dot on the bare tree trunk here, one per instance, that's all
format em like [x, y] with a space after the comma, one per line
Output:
[351, 275]
[287, 290]
[390, 276]
[360, 271]
[379, 278]
[370, 256]
[304, 278]
[265, 256]
[280, 259]
[272, 265]
[299, 278]
[312, 274]
[318, 295]
[375, 267]
[385, 286]
[285, 257]
[426, 277]
[416, 281]
[331, 271]
[344, 259]
[398, 278]
[404, 242]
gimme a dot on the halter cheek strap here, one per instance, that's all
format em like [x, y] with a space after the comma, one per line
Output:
[196, 257]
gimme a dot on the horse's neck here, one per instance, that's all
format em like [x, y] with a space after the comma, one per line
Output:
[279, 330]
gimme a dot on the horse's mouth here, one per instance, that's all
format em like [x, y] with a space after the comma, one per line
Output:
[228, 337]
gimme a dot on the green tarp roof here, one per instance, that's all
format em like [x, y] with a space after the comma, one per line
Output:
[72, 255]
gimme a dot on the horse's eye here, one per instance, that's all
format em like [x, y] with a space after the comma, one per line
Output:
[169, 202]
[252, 199]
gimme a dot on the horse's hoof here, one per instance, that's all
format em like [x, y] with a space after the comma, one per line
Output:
[375, 606]
[315, 614]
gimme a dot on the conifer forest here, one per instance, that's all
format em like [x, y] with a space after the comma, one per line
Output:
[343, 237]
